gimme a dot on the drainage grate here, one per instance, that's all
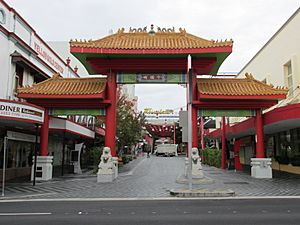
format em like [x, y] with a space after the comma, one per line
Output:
[235, 182]
[213, 173]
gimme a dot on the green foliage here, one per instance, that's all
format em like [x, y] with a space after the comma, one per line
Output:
[126, 158]
[94, 155]
[129, 123]
[211, 157]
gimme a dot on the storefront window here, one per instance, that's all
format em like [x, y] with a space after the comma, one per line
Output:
[19, 154]
[295, 136]
[270, 147]
[285, 142]
[1, 152]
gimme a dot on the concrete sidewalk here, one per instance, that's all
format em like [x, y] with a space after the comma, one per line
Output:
[153, 178]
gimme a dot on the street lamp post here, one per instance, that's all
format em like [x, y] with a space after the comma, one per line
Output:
[35, 153]
[4, 165]
[190, 99]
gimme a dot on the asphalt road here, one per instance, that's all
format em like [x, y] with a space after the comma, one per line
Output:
[158, 212]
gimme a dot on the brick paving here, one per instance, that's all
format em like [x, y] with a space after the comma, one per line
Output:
[150, 178]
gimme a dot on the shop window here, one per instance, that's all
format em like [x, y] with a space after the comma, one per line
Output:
[2, 17]
[295, 135]
[19, 77]
[285, 142]
[270, 147]
[289, 77]
[19, 154]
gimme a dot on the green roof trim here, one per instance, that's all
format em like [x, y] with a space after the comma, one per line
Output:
[221, 56]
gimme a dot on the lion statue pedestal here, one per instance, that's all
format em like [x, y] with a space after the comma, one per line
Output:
[106, 167]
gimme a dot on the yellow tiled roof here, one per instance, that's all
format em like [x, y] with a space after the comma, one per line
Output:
[237, 87]
[57, 85]
[155, 40]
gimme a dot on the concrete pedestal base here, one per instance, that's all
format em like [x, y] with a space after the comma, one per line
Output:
[105, 178]
[197, 172]
[202, 193]
[261, 167]
[108, 167]
[44, 168]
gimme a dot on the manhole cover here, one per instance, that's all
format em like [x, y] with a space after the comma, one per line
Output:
[235, 182]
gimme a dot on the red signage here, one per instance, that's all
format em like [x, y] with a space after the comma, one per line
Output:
[46, 56]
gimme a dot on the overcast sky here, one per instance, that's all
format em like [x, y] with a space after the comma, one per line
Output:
[250, 23]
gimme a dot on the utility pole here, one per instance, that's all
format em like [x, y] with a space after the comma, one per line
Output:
[190, 99]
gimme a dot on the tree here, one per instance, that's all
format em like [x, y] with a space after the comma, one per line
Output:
[129, 123]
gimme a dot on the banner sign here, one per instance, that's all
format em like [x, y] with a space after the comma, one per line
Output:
[17, 111]
[21, 136]
[77, 112]
[161, 111]
[161, 118]
[151, 78]
[226, 112]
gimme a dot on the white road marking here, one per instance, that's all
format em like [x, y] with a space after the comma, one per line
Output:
[147, 199]
[24, 214]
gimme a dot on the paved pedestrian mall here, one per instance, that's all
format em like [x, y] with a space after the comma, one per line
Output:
[152, 177]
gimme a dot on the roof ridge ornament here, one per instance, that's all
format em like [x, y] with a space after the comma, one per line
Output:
[152, 31]
[249, 76]
[121, 30]
[55, 76]
[138, 30]
[182, 30]
[165, 30]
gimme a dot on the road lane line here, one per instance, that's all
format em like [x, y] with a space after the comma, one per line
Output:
[148, 199]
[24, 214]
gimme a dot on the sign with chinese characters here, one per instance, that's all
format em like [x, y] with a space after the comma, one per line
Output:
[19, 111]
[77, 112]
[151, 78]
[226, 112]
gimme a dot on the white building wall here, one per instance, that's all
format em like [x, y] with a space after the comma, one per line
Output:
[269, 63]
[22, 30]
[283, 47]
[4, 65]
[16, 35]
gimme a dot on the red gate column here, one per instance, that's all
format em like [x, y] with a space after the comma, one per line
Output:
[110, 119]
[194, 127]
[259, 128]
[223, 162]
[44, 135]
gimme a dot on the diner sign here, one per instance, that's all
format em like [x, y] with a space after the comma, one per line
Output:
[21, 111]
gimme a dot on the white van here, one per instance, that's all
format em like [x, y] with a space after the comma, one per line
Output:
[166, 150]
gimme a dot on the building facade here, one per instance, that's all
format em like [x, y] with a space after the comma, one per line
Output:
[25, 58]
[277, 63]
